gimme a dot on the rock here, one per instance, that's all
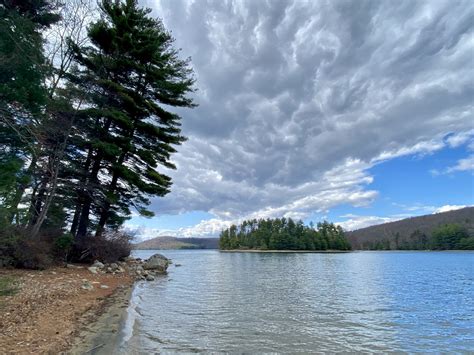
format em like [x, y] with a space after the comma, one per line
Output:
[70, 266]
[120, 270]
[177, 265]
[104, 287]
[87, 286]
[150, 278]
[109, 270]
[157, 262]
[114, 266]
[92, 269]
[139, 268]
[129, 258]
[98, 264]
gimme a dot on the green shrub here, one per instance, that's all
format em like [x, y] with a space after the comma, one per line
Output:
[63, 246]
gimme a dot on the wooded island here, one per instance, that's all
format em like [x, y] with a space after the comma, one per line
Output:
[283, 234]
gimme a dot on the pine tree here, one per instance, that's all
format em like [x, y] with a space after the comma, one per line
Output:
[23, 97]
[130, 75]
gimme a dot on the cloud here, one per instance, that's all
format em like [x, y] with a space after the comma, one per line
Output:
[457, 139]
[447, 208]
[357, 222]
[465, 164]
[353, 222]
[298, 100]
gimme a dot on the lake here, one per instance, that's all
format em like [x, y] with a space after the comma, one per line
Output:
[301, 303]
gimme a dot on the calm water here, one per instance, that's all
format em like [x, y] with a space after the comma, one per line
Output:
[300, 303]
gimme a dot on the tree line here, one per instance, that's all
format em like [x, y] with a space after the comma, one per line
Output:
[449, 236]
[283, 234]
[86, 120]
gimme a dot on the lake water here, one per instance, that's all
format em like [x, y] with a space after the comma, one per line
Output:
[302, 303]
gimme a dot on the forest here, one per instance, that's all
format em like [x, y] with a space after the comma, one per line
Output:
[283, 234]
[440, 231]
[87, 128]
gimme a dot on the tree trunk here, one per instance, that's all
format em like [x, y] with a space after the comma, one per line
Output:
[104, 214]
[80, 194]
[47, 203]
[86, 206]
[14, 216]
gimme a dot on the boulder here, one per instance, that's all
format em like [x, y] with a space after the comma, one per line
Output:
[157, 262]
[150, 278]
[92, 269]
[114, 266]
[98, 264]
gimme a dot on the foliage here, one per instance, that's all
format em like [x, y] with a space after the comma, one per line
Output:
[63, 245]
[283, 234]
[441, 231]
[108, 247]
[128, 77]
[445, 237]
[83, 136]
[449, 236]
[33, 254]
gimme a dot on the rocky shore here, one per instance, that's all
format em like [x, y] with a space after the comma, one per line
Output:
[68, 309]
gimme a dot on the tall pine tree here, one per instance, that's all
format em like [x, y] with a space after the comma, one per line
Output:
[23, 97]
[131, 76]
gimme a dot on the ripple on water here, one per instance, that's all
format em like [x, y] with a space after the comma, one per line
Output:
[287, 303]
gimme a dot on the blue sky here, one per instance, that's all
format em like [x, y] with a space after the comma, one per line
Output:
[360, 112]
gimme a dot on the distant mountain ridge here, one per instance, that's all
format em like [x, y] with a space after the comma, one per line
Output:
[167, 242]
[394, 234]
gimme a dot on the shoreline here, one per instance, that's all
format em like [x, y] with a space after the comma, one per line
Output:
[64, 310]
[104, 333]
[286, 251]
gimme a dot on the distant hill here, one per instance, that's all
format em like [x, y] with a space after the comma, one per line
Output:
[406, 233]
[178, 243]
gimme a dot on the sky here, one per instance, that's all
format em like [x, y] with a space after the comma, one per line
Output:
[358, 112]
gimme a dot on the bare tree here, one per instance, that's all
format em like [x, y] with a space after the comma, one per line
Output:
[76, 15]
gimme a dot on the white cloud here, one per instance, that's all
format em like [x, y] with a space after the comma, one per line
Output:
[466, 164]
[357, 222]
[353, 222]
[458, 139]
[298, 100]
[447, 208]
